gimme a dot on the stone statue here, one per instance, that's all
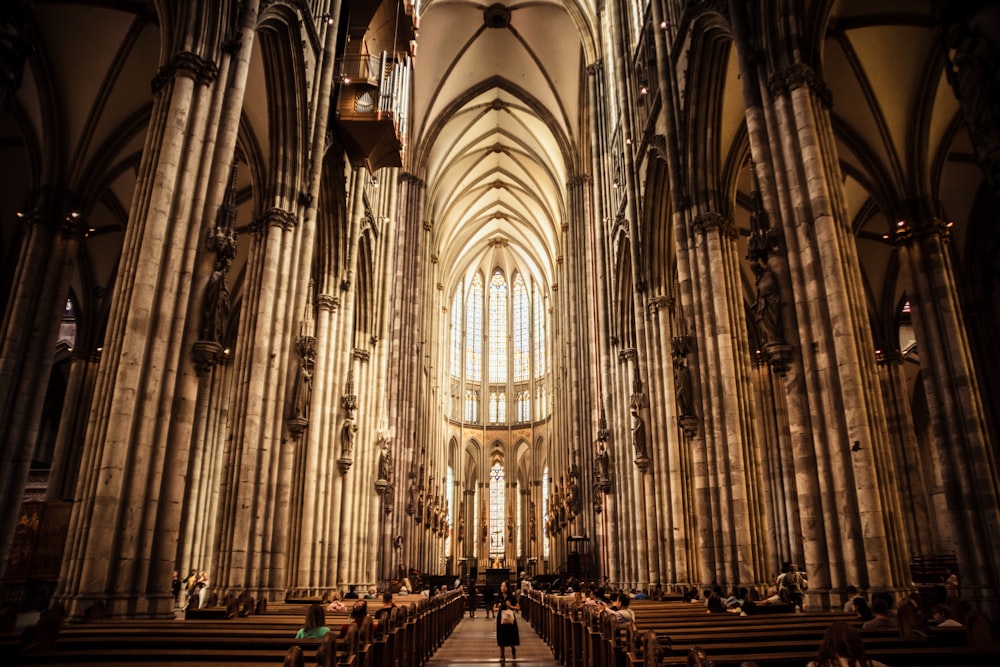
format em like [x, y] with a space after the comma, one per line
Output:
[575, 501]
[532, 523]
[347, 433]
[385, 462]
[638, 433]
[411, 497]
[461, 528]
[388, 498]
[510, 529]
[683, 390]
[767, 307]
[303, 392]
[601, 465]
[214, 307]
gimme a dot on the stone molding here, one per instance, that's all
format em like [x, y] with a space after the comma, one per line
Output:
[797, 76]
[188, 64]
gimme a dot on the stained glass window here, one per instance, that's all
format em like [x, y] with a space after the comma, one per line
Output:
[497, 524]
[474, 331]
[472, 406]
[524, 406]
[498, 327]
[522, 343]
[539, 334]
[456, 332]
[498, 407]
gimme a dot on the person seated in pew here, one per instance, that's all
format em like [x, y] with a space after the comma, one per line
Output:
[842, 646]
[942, 617]
[336, 604]
[383, 612]
[852, 595]
[750, 602]
[863, 611]
[880, 619]
[358, 613]
[315, 627]
[736, 597]
[714, 603]
[772, 597]
[619, 610]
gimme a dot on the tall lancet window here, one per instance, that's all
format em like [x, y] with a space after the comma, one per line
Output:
[522, 344]
[497, 523]
[498, 328]
[545, 512]
[456, 333]
[473, 348]
[539, 333]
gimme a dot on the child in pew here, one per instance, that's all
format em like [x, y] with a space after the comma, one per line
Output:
[842, 646]
[358, 613]
[315, 627]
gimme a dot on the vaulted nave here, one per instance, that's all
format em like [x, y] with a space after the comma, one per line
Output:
[313, 295]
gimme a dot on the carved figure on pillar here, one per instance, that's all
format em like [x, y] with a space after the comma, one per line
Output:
[303, 391]
[385, 461]
[602, 468]
[575, 499]
[510, 529]
[532, 522]
[411, 496]
[461, 528]
[683, 389]
[767, 307]
[638, 433]
[347, 433]
[215, 307]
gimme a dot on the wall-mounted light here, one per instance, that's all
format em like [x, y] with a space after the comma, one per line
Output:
[644, 90]
[328, 18]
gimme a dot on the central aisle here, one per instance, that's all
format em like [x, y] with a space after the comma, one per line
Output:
[474, 642]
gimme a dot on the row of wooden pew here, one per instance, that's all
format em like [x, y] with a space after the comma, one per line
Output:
[665, 633]
[414, 631]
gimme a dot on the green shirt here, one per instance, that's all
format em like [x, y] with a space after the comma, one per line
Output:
[315, 633]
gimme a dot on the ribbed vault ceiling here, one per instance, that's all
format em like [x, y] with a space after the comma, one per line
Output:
[497, 94]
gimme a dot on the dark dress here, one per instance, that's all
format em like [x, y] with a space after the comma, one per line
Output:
[507, 634]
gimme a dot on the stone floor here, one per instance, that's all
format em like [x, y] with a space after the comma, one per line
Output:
[474, 642]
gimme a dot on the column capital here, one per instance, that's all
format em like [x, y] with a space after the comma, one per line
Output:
[706, 222]
[328, 302]
[411, 179]
[185, 63]
[657, 303]
[273, 217]
[796, 76]
[905, 232]
[595, 67]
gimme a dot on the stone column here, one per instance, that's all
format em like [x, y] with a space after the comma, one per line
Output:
[967, 463]
[27, 340]
[72, 425]
[140, 430]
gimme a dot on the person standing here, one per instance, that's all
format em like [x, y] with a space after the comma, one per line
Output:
[473, 600]
[175, 587]
[488, 595]
[507, 635]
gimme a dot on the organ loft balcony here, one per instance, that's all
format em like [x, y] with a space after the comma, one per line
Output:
[371, 109]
